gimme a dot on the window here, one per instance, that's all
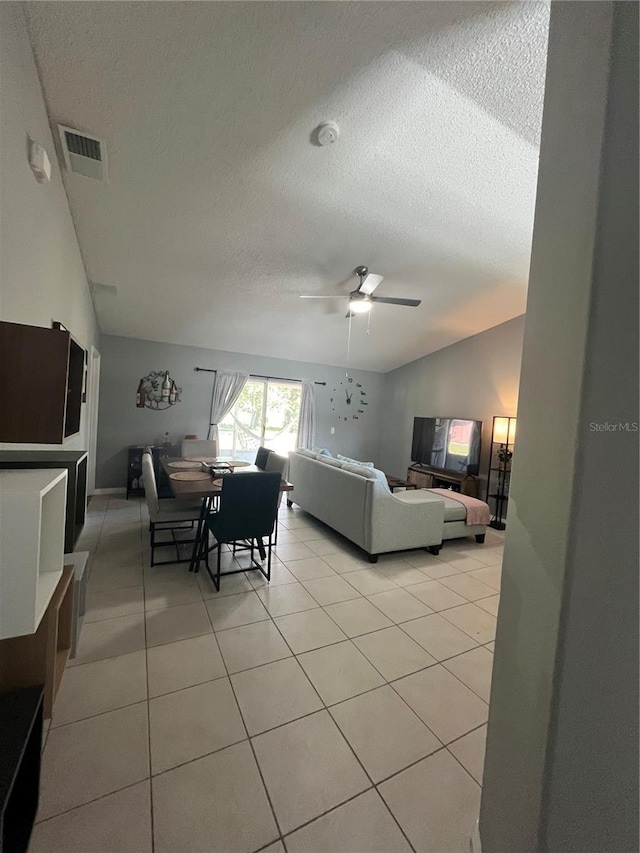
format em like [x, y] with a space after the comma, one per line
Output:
[266, 413]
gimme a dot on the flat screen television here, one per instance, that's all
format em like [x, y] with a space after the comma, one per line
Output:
[449, 444]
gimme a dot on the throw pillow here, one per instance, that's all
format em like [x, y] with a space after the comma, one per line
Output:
[322, 451]
[355, 462]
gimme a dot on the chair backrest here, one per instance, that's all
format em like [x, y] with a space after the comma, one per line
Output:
[199, 447]
[150, 488]
[261, 457]
[278, 463]
[248, 506]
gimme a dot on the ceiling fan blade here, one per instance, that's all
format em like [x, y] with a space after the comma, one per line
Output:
[310, 296]
[390, 300]
[349, 314]
[369, 283]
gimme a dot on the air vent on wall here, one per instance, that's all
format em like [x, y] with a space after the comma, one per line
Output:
[83, 154]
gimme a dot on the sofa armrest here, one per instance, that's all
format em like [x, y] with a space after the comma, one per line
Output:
[397, 525]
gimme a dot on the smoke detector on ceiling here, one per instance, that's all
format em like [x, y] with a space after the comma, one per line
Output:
[327, 133]
[84, 154]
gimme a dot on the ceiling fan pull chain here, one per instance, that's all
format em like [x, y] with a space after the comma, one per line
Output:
[348, 345]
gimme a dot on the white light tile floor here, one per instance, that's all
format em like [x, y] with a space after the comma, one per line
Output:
[330, 711]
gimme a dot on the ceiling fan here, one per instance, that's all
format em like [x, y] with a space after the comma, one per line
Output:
[361, 300]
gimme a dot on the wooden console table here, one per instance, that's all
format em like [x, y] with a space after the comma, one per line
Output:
[423, 477]
[398, 483]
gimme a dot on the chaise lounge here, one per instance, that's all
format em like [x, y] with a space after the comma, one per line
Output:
[356, 501]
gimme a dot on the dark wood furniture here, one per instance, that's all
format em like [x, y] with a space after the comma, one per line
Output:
[41, 376]
[423, 477]
[40, 658]
[207, 490]
[75, 461]
[194, 489]
[20, 751]
[398, 483]
[134, 471]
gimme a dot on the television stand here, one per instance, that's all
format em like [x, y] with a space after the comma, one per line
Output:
[425, 477]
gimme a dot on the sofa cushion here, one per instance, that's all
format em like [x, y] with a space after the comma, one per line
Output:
[361, 471]
[453, 510]
[329, 460]
[303, 451]
[355, 461]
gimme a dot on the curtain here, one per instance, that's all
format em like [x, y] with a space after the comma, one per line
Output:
[306, 424]
[226, 390]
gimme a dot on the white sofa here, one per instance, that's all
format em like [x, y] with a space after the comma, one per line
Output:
[357, 502]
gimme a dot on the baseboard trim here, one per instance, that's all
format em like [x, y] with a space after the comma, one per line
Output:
[118, 491]
[475, 844]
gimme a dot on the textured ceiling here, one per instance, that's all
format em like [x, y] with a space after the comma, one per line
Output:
[219, 211]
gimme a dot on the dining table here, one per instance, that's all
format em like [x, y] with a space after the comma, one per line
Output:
[207, 489]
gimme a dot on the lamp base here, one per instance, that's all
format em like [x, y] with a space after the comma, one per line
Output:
[497, 525]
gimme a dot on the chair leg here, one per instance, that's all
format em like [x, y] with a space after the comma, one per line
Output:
[269, 559]
[200, 533]
[152, 539]
[214, 577]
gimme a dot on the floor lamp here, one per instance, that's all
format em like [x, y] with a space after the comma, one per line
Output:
[503, 436]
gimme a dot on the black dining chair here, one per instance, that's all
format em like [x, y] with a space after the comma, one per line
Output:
[247, 515]
[261, 457]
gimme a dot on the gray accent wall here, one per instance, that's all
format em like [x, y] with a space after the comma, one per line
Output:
[126, 360]
[476, 378]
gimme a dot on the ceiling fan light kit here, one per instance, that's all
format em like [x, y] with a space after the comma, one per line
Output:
[361, 300]
[359, 305]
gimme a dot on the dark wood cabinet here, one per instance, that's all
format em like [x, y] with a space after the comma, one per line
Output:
[423, 477]
[75, 461]
[134, 471]
[41, 377]
[135, 486]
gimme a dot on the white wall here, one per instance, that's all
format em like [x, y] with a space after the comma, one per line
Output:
[42, 277]
[476, 378]
[561, 771]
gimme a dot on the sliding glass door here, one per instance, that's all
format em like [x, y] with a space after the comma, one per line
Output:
[266, 413]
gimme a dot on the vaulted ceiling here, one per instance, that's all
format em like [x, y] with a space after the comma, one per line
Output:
[219, 209]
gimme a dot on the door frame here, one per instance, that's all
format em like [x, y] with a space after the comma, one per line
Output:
[93, 398]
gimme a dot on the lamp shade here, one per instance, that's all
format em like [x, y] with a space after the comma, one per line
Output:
[504, 430]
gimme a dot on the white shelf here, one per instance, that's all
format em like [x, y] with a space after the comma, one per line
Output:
[32, 519]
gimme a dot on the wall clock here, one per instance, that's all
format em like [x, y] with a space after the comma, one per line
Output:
[349, 400]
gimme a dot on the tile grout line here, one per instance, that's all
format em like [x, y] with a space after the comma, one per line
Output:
[345, 739]
[328, 710]
[251, 747]
[325, 708]
[276, 660]
[324, 705]
[146, 669]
